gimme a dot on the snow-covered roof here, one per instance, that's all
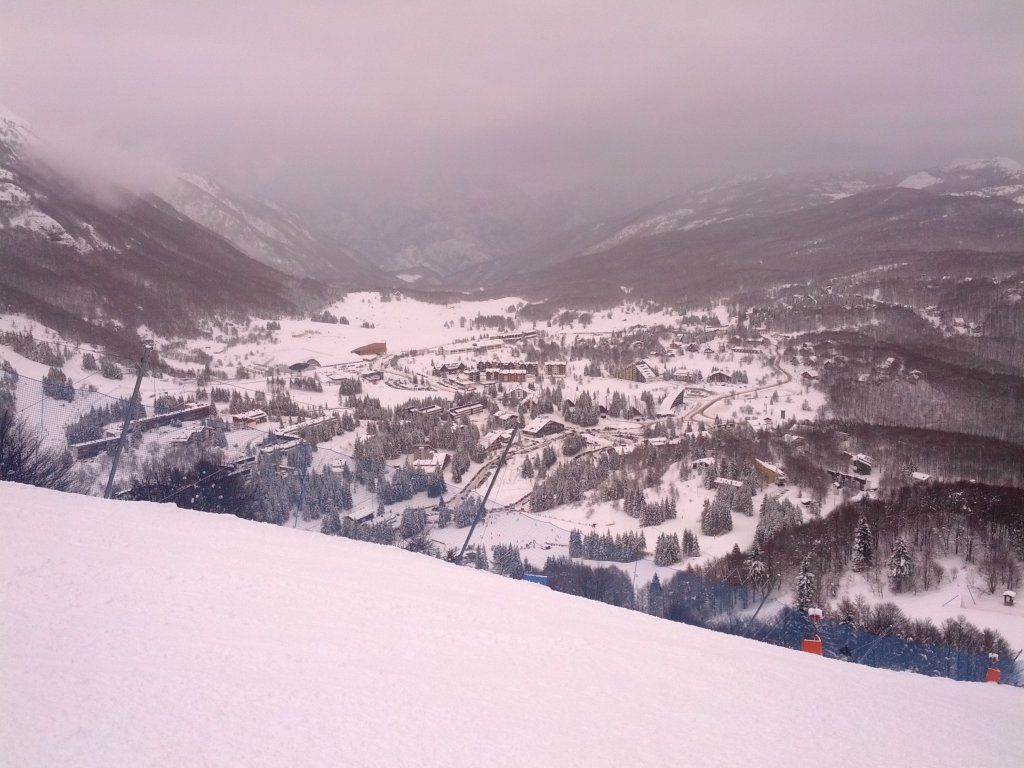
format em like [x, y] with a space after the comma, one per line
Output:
[646, 370]
[671, 401]
[537, 424]
[439, 459]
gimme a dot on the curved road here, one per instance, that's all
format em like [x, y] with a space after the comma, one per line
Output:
[776, 363]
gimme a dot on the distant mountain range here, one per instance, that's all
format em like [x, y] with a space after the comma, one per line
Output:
[94, 265]
[787, 227]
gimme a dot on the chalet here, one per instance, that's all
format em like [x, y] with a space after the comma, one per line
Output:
[505, 419]
[360, 516]
[543, 426]
[555, 368]
[771, 473]
[863, 464]
[809, 375]
[719, 377]
[708, 351]
[657, 442]
[494, 441]
[915, 375]
[468, 409]
[374, 349]
[671, 401]
[633, 413]
[450, 369]
[863, 378]
[372, 376]
[248, 418]
[727, 482]
[429, 460]
[685, 376]
[707, 461]
[693, 347]
[920, 477]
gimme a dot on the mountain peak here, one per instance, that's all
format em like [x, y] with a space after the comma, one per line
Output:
[15, 131]
[1004, 164]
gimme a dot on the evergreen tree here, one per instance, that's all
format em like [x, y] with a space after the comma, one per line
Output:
[575, 543]
[863, 549]
[444, 515]
[507, 561]
[901, 566]
[744, 502]
[330, 523]
[756, 570]
[481, 563]
[527, 470]
[667, 550]
[656, 598]
[805, 586]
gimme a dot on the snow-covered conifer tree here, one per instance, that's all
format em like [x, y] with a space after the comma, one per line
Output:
[863, 548]
[805, 586]
[901, 566]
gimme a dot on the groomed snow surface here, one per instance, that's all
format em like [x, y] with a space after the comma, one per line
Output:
[136, 634]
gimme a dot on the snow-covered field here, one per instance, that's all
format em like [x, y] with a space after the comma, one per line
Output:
[144, 635]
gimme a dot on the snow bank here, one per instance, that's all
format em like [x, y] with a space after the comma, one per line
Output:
[138, 634]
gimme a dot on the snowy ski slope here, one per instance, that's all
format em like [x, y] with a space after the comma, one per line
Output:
[139, 634]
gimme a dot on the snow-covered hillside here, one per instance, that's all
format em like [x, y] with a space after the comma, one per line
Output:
[265, 231]
[137, 634]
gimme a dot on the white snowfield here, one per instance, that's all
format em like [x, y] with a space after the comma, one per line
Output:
[138, 635]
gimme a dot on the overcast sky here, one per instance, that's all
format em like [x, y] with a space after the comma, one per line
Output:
[325, 100]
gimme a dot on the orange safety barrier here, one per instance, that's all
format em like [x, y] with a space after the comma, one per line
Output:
[992, 675]
[811, 646]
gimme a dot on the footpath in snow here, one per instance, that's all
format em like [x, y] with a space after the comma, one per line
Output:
[140, 634]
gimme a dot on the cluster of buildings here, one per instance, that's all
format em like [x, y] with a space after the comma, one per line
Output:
[501, 371]
[112, 433]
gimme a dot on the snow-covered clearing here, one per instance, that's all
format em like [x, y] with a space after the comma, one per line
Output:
[137, 634]
[960, 594]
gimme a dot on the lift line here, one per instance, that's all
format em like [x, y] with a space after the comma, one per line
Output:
[483, 502]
